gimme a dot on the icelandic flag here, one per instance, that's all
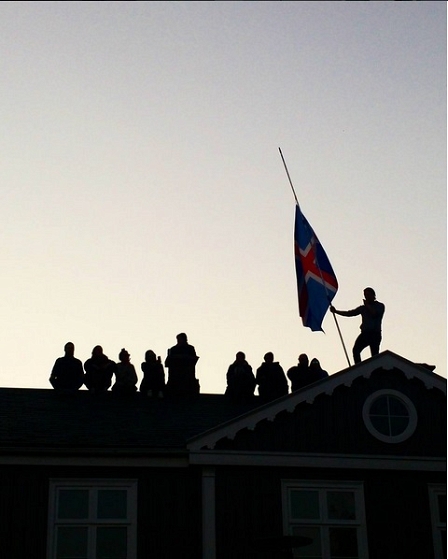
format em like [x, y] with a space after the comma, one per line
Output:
[316, 282]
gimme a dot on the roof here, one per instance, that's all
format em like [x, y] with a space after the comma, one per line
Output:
[34, 421]
[43, 419]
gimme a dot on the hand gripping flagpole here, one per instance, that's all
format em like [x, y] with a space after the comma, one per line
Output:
[315, 258]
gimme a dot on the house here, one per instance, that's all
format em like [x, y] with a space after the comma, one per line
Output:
[353, 466]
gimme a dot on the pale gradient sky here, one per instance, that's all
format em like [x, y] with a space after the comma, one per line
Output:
[143, 195]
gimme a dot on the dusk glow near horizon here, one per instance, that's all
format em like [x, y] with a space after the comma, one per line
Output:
[143, 193]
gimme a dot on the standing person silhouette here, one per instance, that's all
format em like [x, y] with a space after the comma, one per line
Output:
[181, 362]
[372, 312]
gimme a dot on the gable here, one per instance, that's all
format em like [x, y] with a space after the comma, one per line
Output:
[330, 416]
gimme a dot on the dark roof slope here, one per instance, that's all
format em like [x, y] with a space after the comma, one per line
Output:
[36, 418]
[38, 421]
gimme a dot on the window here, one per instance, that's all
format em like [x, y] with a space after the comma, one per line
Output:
[389, 416]
[437, 503]
[329, 516]
[92, 519]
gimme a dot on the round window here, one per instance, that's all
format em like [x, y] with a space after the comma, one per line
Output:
[389, 416]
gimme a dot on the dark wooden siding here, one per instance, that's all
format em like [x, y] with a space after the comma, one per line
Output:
[169, 509]
[248, 508]
[397, 509]
[23, 512]
[170, 514]
[398, 515]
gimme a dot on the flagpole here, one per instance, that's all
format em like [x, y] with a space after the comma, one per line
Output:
[289, 178]
[320, 271]
[342, 341]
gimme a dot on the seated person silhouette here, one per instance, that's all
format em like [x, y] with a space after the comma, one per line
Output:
[301, 375]
[153, 383]
[271, 379]
[317, 370]
[240, 379]
[67, 374]
[99, 370]
[125, 375]
[181, 362]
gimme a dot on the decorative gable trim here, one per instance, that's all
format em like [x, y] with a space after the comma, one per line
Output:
[386, 360]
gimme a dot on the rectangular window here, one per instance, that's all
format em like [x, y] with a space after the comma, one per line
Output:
[92, 519]
[437, 503]
[327, 517]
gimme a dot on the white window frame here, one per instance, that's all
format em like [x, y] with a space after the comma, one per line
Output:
[413, 418]
[325, 523]
[93, 485]
[438, 527]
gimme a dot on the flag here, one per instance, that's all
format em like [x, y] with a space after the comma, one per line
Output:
[316, 282]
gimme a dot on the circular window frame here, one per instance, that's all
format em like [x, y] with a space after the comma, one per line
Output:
[413, 418]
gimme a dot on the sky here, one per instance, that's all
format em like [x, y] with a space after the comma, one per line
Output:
[142, 193]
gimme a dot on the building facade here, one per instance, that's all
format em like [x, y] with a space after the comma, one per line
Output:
[353, 466]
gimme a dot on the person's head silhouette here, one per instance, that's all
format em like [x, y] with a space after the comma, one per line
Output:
[150, 355]
[124, 356]
[97, 351]
[69, 349]
[182, 338]
[269, 357]
[303, 360]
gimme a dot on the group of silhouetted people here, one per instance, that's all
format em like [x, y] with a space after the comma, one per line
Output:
[270, 377]
[98, 372]
[69, 374]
